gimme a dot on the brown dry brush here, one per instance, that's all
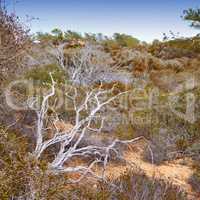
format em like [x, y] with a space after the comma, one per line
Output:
[14, 42]
[132, 185]
[21, 176]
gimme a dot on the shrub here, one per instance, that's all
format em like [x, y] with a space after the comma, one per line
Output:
[14, 42]
[130, 185]
[21, 176]
[195, 178]
[41, 74]
[135, 185]
[125, 132]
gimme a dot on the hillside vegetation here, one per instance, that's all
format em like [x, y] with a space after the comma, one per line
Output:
[93, 117]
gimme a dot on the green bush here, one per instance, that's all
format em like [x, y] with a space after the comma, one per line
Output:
[191, 44]
[125, 132]
[41, 74]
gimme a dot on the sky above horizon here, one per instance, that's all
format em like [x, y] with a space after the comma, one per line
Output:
[144, 19]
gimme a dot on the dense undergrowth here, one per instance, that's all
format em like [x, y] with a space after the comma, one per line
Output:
[19, 171]
[150, 74]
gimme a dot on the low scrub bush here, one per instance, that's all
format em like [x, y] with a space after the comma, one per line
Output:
[195, 178]
[21, 177]
[41, 74]
[129, 186]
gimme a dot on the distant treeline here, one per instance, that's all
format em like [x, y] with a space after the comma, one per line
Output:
[57, 35]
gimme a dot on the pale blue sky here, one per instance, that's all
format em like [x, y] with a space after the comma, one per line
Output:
[144, 19]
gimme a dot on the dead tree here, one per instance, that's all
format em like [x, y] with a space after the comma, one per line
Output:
[87, 65]
[69, 140]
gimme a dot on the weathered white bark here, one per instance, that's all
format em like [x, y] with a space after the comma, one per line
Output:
[70, 140]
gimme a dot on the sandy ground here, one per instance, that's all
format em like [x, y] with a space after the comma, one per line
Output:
[174, 172]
